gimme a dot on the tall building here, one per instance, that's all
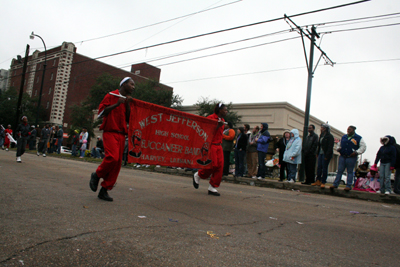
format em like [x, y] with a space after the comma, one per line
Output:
[68, 79]
[3, 79]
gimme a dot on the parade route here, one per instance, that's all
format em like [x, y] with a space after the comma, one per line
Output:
[50, 217]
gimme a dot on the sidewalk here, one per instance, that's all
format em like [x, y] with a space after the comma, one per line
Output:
[268, 182]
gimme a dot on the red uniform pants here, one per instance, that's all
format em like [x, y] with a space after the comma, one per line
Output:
[217, 157]
[109, 168]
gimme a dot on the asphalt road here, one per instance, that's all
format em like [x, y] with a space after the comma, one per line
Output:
[50, 217]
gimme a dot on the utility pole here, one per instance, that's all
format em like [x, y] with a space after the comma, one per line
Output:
[310, 64]
[21, 89]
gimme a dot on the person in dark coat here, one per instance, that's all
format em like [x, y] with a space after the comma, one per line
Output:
[387, 156]
[23, 133]
[396, 186]
[262, 141]
[310, 154]
[281, 145]
[324, 154]
[240, 152]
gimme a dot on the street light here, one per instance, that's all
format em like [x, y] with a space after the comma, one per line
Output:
[32, 36]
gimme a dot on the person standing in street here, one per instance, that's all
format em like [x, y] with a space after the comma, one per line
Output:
[310, 150]
[60, 138]
[350, 146]
[227, 145]
[387, 156]
[23, 133]
[292, 155]
[324, 154]
[32, 139]
[115, 112]
[44, 139]
[2, 136]
[216, 154]
[75, 142]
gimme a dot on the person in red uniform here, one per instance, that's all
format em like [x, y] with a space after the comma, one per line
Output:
[115, 110]
[7, 141]
[216, 154]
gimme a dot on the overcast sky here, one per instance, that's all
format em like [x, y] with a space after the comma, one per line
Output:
[362, 89]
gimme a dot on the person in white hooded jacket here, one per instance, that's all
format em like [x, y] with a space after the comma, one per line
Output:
[292, 155]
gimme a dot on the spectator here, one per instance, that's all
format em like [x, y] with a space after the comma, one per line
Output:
[310, 152]
[373, 177]
[32, 138]
[292, 155]
[75, 143]
[23, 133]
[2, 136]
[240, 152]
[396, 186]
[251, 153]
[248, 133]
[83, 136]
[387, 156]
[96, 151]
[44, 139]
[83, 149]
[60, 138]
[53, 138]
[350, 146]
[281, 145]
[362, 170]
[324, 154]
[262, 148]
[227, 144]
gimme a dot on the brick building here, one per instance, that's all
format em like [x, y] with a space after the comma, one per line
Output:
[3, 79]
[68, 79]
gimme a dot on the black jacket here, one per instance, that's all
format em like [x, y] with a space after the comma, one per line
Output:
[326, 145]
[242, 142]
[23, 130]
[311, 144]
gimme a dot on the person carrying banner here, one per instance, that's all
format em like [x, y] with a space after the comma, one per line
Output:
[23, 133]
[114, 126]
[216, 154]
[8, 132]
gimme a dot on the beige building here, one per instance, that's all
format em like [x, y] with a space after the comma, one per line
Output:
[280, 116]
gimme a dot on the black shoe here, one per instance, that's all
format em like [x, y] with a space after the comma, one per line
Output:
[94, 181]
[104, 195]
[213, 193]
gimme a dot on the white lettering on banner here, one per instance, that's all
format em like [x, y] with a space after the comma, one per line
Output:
[190, 123]
[162, 133]
[153, 158]
[180, 136]
[179, 160]
[151, 119]
[162, 146]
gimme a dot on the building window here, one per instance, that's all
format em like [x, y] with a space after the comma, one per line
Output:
[37, 79]
[54, 62]
[50, 90]
[35, 92]
[51, 77]
[39, 67]
[48, 104]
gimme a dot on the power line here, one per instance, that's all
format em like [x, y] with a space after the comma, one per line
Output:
[219, 31]
[277, 70]
[157, 23]
[362, 28]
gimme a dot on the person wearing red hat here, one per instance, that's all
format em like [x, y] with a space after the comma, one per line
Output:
[115, 111]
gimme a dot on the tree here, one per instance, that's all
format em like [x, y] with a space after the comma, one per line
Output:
[8, 107]
[205, 107]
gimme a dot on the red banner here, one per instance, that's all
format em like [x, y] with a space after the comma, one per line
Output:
[168, 137]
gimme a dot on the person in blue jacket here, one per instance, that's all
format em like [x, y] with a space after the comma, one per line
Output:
[262, 141]
[350, 146]
[292, 155]
[387, 155]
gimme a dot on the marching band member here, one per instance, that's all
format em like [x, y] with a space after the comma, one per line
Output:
[114, 126]
[216, 154]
